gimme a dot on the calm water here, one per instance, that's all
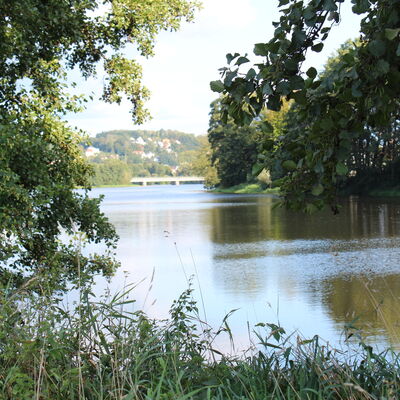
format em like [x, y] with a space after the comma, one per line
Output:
[309, 273]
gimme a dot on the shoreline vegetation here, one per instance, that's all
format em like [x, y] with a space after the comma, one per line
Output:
[104, 349]
[255, 188]
[247, 188]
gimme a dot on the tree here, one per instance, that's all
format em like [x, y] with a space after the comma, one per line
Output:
[366, 158]
[273, 126]
[240, 154]
[40, 157]
[234, 148]
[111, 172]
[198, 163]
[364, 91]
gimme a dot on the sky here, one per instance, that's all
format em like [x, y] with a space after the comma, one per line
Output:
[185, 62]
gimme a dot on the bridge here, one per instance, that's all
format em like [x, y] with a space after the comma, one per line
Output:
[167, 179]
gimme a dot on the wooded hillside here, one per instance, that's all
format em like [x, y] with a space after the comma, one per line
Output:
[116, 156]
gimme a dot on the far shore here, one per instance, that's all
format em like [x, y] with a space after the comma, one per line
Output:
[255, 188]
[247, 188]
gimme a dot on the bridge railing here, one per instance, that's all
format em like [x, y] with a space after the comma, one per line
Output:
[163, 179]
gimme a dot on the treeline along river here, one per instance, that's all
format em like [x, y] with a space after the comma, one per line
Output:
[312, 274]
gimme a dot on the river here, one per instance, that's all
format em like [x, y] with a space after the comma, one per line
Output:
[311, 274]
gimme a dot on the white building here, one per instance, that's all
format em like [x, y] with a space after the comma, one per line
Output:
[91, 151]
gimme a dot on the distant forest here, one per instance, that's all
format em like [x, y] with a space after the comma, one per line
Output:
[117, 156]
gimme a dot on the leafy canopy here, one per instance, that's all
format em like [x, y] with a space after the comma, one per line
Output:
[363, 91]
[40, 157]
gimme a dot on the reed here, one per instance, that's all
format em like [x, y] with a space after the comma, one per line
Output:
[104, 349]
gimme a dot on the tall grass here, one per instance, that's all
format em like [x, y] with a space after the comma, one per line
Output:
[104, 349]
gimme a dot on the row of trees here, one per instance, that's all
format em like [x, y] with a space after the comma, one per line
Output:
[119, 172]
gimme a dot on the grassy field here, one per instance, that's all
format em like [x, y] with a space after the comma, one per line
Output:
[104, 349]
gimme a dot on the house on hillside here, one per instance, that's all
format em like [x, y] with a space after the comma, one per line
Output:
[166, 143]
[91, 151]
[139, 153]
[139, 140]
[149, 155]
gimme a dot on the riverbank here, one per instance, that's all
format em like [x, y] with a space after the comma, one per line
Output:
[254, 188]
[247, 188]
[104, 350]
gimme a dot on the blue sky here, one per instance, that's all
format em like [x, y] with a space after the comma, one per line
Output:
[186, 61]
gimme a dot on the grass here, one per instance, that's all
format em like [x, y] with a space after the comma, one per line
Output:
[247, 188]
[104, 349]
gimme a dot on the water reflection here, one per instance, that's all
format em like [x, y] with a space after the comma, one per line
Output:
[256, 219]
[315, 272]
[372, 302]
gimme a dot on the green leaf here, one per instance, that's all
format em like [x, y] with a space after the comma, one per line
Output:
[382, 67]
[327, 124]
[283, 3]
[230, 76]
[251, 73]
[355, 89]
[341, 169]
[299, 37]
[266, 127]
[274, 47]
[296, 82]
[329, 5]
[267, 344]
[256, 169]
[377, 48]
[283, 88]
[392, 33]
[317, 47]
[290, 165]
[333, 16]
[242, 60]
[261, 49]
[299, 97]
[317, 189]
[309, 13]
[267, 90]
[398, 51]
[312, 73]
[274, 102]
[230, 57]
[361, 6]
[292, 65]
[268, 144]
[217, 86]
